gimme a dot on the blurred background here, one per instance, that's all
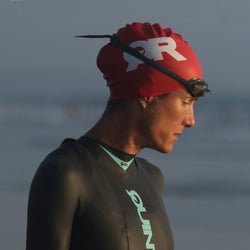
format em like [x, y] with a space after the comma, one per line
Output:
[51, 89]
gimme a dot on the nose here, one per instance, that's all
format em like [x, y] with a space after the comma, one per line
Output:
[190, 121]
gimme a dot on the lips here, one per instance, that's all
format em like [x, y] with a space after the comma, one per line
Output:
[176, 135]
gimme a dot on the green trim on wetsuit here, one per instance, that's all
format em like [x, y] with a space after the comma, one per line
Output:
[80, 200]
[123, 164]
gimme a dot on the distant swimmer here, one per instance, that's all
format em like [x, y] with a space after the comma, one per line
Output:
[94, 192]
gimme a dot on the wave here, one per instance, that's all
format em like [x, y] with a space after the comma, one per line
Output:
[208, 189]
[220, 120]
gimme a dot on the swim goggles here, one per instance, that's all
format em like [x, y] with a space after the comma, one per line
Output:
[196, 87]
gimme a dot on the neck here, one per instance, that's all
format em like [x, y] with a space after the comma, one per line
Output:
[118, 139]
[118, 131]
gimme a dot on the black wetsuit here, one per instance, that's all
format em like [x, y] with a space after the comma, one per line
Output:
[81, 199]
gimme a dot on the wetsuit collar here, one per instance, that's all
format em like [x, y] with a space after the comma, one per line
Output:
[123, 164]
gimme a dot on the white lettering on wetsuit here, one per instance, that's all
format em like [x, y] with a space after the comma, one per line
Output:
[146, 226]
[152, 49]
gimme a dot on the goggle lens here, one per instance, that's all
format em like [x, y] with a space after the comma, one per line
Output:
[197, 87]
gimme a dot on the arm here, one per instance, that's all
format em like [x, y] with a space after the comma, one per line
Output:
[53, 201]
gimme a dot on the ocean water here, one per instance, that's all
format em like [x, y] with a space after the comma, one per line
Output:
[207, 187]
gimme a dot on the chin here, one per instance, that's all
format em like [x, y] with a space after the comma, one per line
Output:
[166, 149]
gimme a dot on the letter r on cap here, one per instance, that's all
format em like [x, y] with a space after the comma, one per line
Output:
[152, 49]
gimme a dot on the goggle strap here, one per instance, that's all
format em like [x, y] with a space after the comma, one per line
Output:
[120, 45]
[126, 48]
[95, 36]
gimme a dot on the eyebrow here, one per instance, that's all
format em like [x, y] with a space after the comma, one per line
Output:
[188, 96]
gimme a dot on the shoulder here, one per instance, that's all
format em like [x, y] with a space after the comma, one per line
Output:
[68, 157]
[67, 167]
[152, 172]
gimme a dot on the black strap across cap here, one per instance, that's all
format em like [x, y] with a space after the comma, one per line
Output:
[124, 47]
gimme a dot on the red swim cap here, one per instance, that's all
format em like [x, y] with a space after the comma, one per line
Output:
[129, 77]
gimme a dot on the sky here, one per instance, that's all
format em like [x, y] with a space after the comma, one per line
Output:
[39, 55]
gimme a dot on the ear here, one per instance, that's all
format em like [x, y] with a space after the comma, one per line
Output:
[145, 101]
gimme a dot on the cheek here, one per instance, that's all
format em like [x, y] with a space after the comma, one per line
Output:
[177, 115]
[171, 120]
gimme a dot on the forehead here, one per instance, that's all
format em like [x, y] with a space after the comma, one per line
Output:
[178, 94]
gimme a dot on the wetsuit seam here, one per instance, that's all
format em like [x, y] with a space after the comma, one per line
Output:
[126, 231]
[136, 164]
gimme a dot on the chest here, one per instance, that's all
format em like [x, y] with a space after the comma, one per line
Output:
[125, 211]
